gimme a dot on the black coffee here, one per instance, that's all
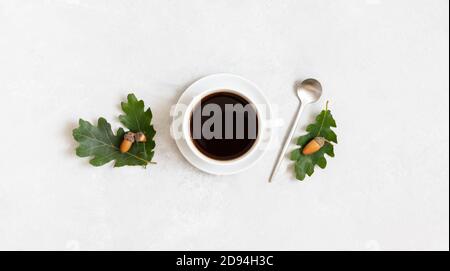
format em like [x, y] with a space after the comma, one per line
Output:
[224, 126]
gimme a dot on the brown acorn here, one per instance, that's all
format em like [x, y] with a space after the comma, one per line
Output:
[127, 142]
[314, 145]
[140, 137]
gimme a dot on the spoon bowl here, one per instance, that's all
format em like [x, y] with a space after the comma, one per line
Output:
[309, 91]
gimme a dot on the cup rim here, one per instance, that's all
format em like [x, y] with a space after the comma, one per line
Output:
[187, 129]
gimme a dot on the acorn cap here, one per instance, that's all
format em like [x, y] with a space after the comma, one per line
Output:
[320, 140]
[129, 137]
[140, 137]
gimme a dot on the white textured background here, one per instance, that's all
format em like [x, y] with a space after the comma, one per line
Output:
[384, 66]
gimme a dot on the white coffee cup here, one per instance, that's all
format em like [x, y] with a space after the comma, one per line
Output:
[191, 97]
[187, 129]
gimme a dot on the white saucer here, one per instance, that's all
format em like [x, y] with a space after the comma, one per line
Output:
[219, 82]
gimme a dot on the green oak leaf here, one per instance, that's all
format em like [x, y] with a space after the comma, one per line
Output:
[100, 143]
[137, 119]
[305, 164]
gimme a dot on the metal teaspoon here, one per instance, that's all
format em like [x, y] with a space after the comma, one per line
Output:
[308, 91]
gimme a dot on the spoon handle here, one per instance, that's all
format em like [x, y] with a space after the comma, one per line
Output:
[287, 142]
